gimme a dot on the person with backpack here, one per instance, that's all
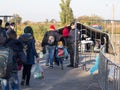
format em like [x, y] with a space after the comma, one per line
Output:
[61, 52]
[28, 41]
[50, 41]
[8, 63]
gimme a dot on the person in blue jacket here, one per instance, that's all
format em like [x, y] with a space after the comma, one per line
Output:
[31, 54]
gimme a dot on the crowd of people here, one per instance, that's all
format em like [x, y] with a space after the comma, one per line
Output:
[51, 40]
[24, 51]
[17, 55]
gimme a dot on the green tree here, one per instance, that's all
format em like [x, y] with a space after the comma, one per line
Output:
[66, 14]
[17, 19]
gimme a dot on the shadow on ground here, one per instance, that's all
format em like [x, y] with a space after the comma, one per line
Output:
[67, 79]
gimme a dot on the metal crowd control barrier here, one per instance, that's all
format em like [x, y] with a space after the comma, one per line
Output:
[109, 69]
[109, 73]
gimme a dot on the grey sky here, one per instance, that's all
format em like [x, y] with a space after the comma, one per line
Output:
[39, 10]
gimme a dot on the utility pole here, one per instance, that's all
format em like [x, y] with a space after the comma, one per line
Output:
[112, 22]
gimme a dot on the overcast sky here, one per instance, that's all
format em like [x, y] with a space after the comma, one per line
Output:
[40, 10]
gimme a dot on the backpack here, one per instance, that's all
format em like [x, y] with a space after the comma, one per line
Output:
[6, 61]
[26, 37]
[61, 52]
[51, 39]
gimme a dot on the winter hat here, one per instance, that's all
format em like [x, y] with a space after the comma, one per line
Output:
[7, 24]
[52, 27]
[65, 32]
[12, 24]
[28, 29]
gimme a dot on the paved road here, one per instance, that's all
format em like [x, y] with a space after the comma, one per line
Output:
[67, 79]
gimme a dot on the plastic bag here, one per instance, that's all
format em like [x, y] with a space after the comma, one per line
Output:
[95, 67]
[41, 55]
[37, 71]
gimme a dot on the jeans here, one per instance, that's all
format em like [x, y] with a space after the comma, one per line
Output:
[60, 60]
[12, 81]
[50, 54]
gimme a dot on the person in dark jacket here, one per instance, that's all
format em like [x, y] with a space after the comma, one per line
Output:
[68, 44]
[12, 25]
[74, 63]
[2, 29]
[1, 24]
[17, 48]
[26, 73]
[7, 26]
[50, 41]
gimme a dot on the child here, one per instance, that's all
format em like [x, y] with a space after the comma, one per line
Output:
[60, 53]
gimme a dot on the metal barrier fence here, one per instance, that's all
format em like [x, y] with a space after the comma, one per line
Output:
[109, 65]
[109, 73]
[109, 69]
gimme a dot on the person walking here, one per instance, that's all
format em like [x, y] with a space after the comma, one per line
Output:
[17, 48]
[30, 55]
[50, 41]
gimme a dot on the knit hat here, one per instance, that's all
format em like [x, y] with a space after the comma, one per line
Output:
[7, 24]
[28, 29]
[52, 27]
[65, 32]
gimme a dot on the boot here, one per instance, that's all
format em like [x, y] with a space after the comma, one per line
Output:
[22, 82]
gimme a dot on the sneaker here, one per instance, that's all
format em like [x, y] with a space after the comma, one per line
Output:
[51, 67]
[22, 82]
[47, 64]
[70, 65]
[57, 63]
[76, 66]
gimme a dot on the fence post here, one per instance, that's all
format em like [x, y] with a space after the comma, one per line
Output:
[76, 59]
[106, 75]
